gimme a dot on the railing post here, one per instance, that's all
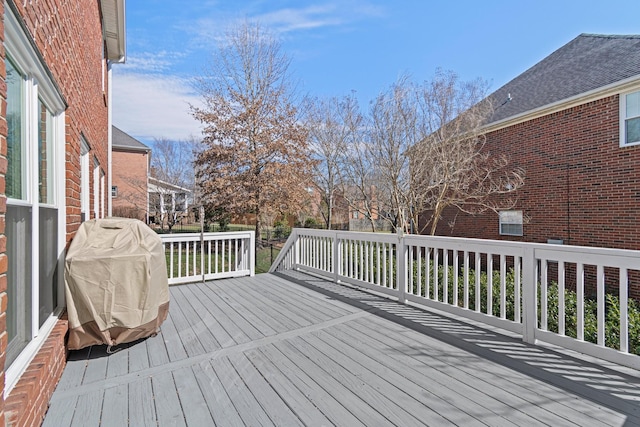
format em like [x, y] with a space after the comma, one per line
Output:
[336, 259]
[252, 253]
[296, 252]
[401, 268]
[529, 295]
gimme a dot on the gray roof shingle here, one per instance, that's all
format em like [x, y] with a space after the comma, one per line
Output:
[586, 63]
[125, 141]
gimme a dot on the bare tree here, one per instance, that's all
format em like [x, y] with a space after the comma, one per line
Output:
[449, 166]
[172, 179]
[394, 130]
[427, 142]
[255, 157]
[331, 125]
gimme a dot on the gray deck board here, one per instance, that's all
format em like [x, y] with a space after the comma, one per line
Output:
[540, 402]
[221, 312]
[115, 407]
[142, 411]
[194, 405]
[280, 350]
[138, 357]
[168, 409]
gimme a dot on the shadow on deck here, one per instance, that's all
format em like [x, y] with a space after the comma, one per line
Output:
[292, 349]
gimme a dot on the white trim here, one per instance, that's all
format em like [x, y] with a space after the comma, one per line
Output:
[630, 84]
[61, 202]
[109, 140]
[84, 179]
[623, 118]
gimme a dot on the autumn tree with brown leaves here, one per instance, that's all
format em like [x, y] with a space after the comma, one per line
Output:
[255, 157]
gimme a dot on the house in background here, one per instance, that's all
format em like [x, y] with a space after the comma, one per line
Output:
[54, 173]
[131, 163]
[572, 122]
[168, 203]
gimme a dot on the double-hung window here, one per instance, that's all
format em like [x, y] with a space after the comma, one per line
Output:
[630, 118]
[35, 216]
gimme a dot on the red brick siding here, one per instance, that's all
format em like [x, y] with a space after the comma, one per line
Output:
[581, 186]
[29, 400]
[68, 35]
[129, 170]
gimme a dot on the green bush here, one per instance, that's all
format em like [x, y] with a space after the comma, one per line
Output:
[612, 305]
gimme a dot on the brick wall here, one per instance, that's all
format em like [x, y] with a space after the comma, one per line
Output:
[581, 186]
[129, 170]
[68, 35]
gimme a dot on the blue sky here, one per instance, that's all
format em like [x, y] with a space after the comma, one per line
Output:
[339, 46]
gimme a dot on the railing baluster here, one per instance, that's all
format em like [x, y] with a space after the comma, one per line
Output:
[466, 279]
[561, 302]
[427, 263]
[543, 295]
[436, 267]
[490, 284]
[580, 304]
[517, 289]
[624, 310]
[600, 302]
[478, 274]
[503, 286]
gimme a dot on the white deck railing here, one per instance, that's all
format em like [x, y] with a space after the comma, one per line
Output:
[512, 285]
[192, 257]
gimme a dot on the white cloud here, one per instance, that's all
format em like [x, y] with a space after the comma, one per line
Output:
[209, 30]
[148, 106]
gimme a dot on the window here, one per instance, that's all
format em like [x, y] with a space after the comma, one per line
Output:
[511, 223]
[35, 213]
[630, 118]
[114, 191]
[15, 141]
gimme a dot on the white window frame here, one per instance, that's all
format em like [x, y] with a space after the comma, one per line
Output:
[96, 188]
[37, 85]
[84, 179]
[512, 217]
[624, 118]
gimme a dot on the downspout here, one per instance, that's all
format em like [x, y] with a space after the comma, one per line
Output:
[109, 138]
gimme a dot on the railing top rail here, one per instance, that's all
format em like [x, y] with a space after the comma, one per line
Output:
[181, 237]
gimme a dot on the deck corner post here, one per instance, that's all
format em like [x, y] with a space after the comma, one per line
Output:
[252, 253]
[336, 259]
[529, 295]
[401, 271]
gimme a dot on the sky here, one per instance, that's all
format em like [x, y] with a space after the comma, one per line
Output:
[338, 47]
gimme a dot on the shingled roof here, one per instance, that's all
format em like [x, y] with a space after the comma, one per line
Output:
[124, 141]
[587, 63]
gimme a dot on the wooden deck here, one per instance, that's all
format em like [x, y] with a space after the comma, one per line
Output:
[296, 350]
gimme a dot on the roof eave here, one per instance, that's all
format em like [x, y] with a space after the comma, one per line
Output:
[583, 98]
[113, 27]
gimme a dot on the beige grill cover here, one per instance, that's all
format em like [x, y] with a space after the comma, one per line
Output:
[115, 283]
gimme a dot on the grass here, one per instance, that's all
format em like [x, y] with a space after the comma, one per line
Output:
[263, 258]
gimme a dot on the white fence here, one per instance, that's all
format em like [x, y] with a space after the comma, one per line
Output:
[521, 287]
[193, 257]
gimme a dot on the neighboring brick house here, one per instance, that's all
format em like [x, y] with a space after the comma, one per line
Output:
[572, 122]
[54, 171]
[131, 162]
